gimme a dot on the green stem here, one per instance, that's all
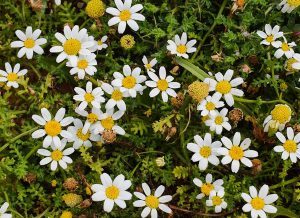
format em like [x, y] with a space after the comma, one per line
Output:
[58, 67]
[258, 100]
[18, 137]
[273, 76]
[35, 70]
[33, 150]
[211, 29]
[291, 181]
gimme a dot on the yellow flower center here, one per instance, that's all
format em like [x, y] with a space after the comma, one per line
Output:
[83, 136]
[108, 123]
[112, 192]
[95, 8]
[162, 85]
[88, 97]
[294, 3]
[223, 87]
[125, 15]
[219, 120]
[181, 49]
[257, 203]
[11, 77]
[29, 43]
[72, 46]
[285, 47]
[82, 64]
[290, 146]
[148, 66]
[236, 152]
[210, 106]
[129, 82]
[53, 128]
[117, 95]
[56, 155]
[216, 200]
[100, 42]
[281, 113]
[66, 214]
[152, 201]
[289, 64]
[205, 151]
[270, 38]
[92, 118]
[206, 188]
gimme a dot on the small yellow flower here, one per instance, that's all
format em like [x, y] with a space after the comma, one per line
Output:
[127, 41]
[88, 191]
[53, 183]
[72, 199]
[95, 8]
[66, 214]
[198, 90]
[160, 161]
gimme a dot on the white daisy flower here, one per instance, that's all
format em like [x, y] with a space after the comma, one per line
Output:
[296, 65]
[181, 47]
[58, 155]
[74, 42]
[52, 127]
[217, 121]
[216, 199]
[107, 122]
[82, 65]
[152, 202]
[100, 44]
[3, 209]
[162, 84]
[209, 186]
[235, 151]
[224, 86]
[89, 96]
[291, 145]
[30, 42]
[79, 138]
[91, 118]
[259, 203]
[11, 75]
[288, 5]
[280, 115]
[285, 48]
[209, 105]
[270, 35]
[116, 97]
[130, 82]
[58, 2]
[125, 14]
[112, 192]
[205, 151]
[149, 65]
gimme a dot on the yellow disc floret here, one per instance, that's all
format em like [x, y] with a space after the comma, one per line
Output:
[290, 146]
[92, 118]
[83, 136]
[210, 106]
[281, 113]
[72, 46]
[53, 128]
[112, 192]
[29, 43]
[294, 3]
[56, 155]
[162, 85]
[219, 120]
[88, 97]
[82, 64]
[108, 123]
[11, 77]
[152, 201]
[181, 49]
[236, 152]
[205, 151]
[95, 8]
[285, 47]
[72, 199]
[117, 95]
[125, 15]
[206, 188]
[216, 200]
[129, 82]
[223, 87]
[270, 38]
[257, 203]
[66, 214]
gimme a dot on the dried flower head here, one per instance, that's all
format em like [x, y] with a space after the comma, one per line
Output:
[236, 115]
[217, 57]
[36, 5]
[70, 184]
[30, 178]
[198, 90]
[109, 136]
[257, 166]
[178, 100]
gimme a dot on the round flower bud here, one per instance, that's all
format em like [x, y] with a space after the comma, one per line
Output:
[72, 199]
[127, 41]
[160, 161]
[198, 91]
[66, 214]
[95, 8]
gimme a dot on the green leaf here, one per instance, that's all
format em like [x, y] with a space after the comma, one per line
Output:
[196, 71]
[281, 211]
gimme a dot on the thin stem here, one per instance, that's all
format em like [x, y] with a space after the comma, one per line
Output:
[33, 150]
[202, 213]
[258, 100]
[210, 30]
[291, 181]
[273, 76]
[17, 137]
